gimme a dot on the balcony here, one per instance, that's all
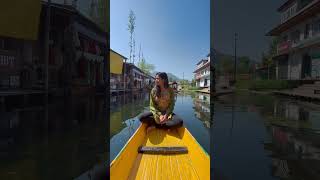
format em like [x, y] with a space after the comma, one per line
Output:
[284, 47]
[315, 39]
[199, 76]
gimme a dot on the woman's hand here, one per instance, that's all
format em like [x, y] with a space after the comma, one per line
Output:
[162, 119]
[165, 117]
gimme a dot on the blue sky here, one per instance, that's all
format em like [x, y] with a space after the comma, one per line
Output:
[251, 19]
[174, 34]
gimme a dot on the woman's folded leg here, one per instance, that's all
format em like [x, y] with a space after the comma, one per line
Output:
[175, 122]
[146, 117]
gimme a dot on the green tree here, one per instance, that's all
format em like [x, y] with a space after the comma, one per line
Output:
[145, 67]
[267, 60]
[273, 47]
[226, 65]
[244, 65]
[131, 27]
[193, 82]
[184, 81]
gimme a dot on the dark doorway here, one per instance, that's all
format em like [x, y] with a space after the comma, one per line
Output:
[306, 66]
[283, 68]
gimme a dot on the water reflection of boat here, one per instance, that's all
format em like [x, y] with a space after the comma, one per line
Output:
[195, 162]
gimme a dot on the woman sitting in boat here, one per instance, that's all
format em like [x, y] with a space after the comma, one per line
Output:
[162, 100]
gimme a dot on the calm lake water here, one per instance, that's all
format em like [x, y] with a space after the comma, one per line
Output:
[60, 140]
[265, 137]
[193, 108]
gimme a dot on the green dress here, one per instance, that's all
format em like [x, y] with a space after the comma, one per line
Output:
[162, 105]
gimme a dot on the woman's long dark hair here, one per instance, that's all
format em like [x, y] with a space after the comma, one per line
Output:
[163, 76]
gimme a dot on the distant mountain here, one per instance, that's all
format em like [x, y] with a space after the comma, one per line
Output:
[171, 76]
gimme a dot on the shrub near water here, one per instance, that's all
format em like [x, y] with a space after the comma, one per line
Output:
[266, 84]
[269, 84]
[191, 88]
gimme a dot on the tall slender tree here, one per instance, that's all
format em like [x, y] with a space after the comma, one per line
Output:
[139, 53]
[131, 28]
[134, 50]
[145, 67]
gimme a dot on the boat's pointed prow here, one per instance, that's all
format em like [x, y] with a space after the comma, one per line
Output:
[161, 154]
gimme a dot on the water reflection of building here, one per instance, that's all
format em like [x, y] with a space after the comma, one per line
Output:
[287, 110]
[294, 154]
[202, 108]
[290, 141]
[8, 123]
[124, 107]
[74, 127]
[297, 113]
[123, 99]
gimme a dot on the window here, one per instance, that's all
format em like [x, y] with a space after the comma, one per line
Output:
[296, 36]
[7, 44]
[1, 44]
[285, 38]
[306, 31]
[290, 12]
[316, 26]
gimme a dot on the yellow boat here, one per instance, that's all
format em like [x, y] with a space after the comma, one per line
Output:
[174, 154]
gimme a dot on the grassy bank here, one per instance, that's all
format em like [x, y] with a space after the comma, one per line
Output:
[190, 88]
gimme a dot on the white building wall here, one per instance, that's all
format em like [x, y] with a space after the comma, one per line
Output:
[315, 62]
[296, 56]
[295, 61]
[201, 82]
[289, 12]
[197, 83]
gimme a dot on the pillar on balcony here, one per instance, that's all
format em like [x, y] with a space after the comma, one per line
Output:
[277, 70]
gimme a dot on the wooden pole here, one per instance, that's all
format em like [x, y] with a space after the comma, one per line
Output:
[46, 46]
[235, 57]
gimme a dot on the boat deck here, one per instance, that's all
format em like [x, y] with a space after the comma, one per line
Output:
[153, 166]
